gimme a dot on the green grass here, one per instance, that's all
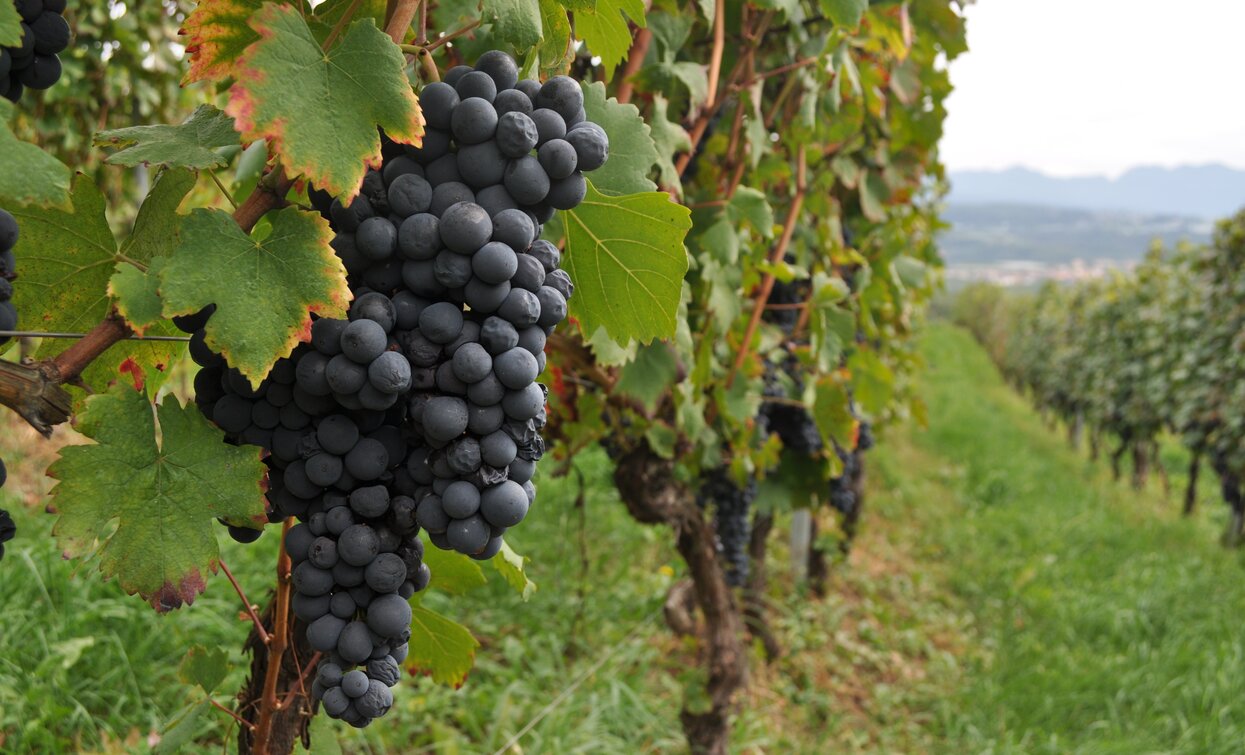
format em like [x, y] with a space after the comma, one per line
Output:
[1104, 623]
[1005, 597]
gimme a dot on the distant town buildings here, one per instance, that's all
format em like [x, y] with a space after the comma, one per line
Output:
[1027, 273]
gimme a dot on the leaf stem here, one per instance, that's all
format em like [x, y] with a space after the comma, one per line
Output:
[250, 609]
[228, 196]
[123, 258]
[235, 716]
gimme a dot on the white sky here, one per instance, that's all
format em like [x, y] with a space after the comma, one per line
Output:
[1073, 87]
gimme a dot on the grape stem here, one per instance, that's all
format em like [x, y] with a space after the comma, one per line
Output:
[269, 704]
[250, 609]
[233, 715]
[341, 25]
[403, 13]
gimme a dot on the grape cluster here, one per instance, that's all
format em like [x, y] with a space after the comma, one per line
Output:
[8, 273]
[421, 409]
[731, 506]
[33, 64]
[843, 489]
[7, 528]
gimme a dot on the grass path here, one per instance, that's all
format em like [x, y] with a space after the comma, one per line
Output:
[1101, 621]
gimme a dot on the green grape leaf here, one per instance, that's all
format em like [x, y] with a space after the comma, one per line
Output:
[832, 411]
[319, 111]
[603, 28]
[162, 485]
[651, 374]
[515, 21]
[555, 51]
[627, 259]
[204, 667]
[330, 12]
[10, 25]
[632, 152]
[440, 647]
[845, 12]
[872, 380]
[511, 567]
[751, 205]
[30, 176]
[192, 144]
[669, 139]
[138, 294]
[452, 572]
[155, 228]
[263, 289]
[217, 32]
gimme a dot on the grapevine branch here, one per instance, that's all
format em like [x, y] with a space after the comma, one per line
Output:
[780, 251]
[269, 704]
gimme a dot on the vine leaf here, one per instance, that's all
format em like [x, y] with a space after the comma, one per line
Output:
[153, 238]
[191, 144]
[319, 111]
[845, 12]
[204, 667]
[217, 33]
[669, 139]
[603, 27]
[138, 295]
[555, 50]
[70, 291]
[632, 151]
[440, 647]
[511, 567]
[10, 25]
[751, 205]
[453, 572]
[653, 372]
[627, 259]
[263, 289]
[30, 175]
[162, 485]
[516, 21]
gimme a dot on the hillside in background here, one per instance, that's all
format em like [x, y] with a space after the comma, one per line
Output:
[986, 234]
[1204, 191]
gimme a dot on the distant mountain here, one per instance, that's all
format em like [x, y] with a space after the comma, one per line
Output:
[998, 232]
[1204, 191]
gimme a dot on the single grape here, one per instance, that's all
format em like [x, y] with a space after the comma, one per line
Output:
[438, 100]
[474, 120]
[559, 158]
[465, 227]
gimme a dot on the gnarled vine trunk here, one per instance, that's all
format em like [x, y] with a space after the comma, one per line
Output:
[755, 615]
[288, 724]
[1190, 492]
[1141, 465]
[653, 495]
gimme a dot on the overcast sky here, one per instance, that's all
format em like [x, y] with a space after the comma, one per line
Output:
[1074, 87]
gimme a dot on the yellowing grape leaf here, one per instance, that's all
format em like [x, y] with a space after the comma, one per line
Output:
[440, 647]
[191, 144]
[216, 35]
[319, 111]
[511, 567]
[143, 498]
[263, 289]
[29, 175]
[627, 259]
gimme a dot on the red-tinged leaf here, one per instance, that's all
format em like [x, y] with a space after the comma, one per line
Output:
[320, 111]
[216, 35]
[144, 496]
[264, 289]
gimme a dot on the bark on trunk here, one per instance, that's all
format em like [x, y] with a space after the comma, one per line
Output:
[1156, 463]
[818, 569]
[653, 495]
[289, 724]
[1190, 492]
[755, 615]
[1141, 466]
[1116, 456]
